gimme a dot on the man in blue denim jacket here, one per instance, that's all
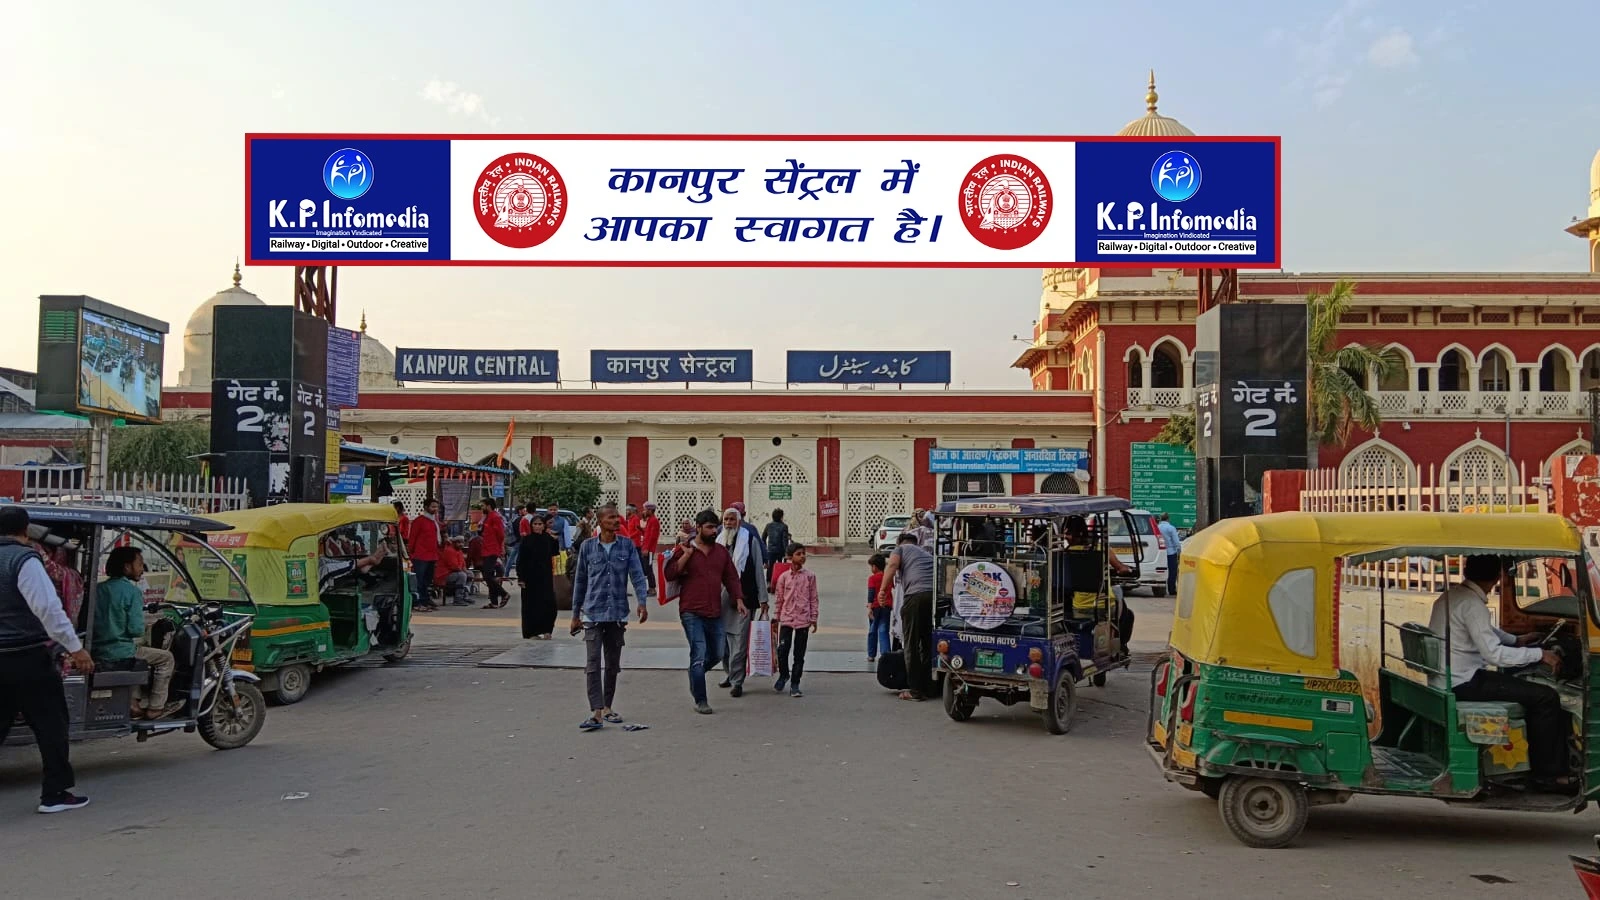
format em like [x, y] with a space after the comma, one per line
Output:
[606, 564]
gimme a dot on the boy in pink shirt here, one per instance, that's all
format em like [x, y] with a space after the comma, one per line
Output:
[795, 610]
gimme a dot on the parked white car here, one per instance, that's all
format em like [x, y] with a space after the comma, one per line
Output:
[889, 532]
[117, 501]
[1153, 568]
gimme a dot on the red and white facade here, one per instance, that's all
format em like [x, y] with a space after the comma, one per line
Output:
[836, 462]
[1479, 351]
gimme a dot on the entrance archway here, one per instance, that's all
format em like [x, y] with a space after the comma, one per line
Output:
[681, 490]
[782, 483]
[876, 488]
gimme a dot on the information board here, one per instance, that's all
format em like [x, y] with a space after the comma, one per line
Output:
[1163, 481]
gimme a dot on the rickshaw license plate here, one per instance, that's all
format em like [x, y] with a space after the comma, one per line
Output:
[992, 660]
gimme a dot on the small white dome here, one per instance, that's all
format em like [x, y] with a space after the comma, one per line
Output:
[377, 364]
[197, 335]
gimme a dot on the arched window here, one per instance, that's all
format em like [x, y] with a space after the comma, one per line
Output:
[1452, 371]
[1376, 462]
[1494, 375]
[1477, 473]
[1398, 378]
[874, 489]
[1135, 368]
[683, 488]
[610, 484]
[1589, 370]
[1554, 375]
[966, 487]
[1060, 483]
[1166, 366]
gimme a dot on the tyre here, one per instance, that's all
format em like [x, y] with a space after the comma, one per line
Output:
[399, 653]
[1063, 703]
[956, 706]
[229, 728]
[1265, 813]
[1099, 679]
[1158, 592]
[1211, 787]
[293, 683]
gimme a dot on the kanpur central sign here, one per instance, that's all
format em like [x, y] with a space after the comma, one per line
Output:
[749, 200]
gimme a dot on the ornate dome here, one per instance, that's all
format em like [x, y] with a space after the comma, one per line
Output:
[196, 371]
[1151, 124]
[1594, 186]
[377, 362]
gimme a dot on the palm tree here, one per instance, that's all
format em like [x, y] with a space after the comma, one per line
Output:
[1338, 402]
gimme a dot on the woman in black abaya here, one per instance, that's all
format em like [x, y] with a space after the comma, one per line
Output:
[536, 578]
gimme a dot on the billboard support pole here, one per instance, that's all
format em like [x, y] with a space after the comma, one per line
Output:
[99, 451]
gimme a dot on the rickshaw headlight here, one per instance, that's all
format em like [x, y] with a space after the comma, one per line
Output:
[1036, 670]
[944, 647]
[1035, 655]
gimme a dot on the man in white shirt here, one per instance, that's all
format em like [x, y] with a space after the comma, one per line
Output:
[1462, 613]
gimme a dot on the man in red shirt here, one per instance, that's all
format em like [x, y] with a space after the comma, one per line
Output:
[704, 569]
[423, 544]
[647, 538]
[403, 526]
[493, 536]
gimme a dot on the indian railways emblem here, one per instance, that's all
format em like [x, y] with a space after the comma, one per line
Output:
[520, 200]
[1005, 202]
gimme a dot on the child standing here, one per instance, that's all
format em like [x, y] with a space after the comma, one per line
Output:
[877, 614]
[795, 611]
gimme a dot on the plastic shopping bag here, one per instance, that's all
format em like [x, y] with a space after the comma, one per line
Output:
[759, 661]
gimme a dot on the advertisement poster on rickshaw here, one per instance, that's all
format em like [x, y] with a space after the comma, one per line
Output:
[985, 595]
[294, 572]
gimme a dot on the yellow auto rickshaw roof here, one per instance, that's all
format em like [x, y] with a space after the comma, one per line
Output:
[1225, 613]
[275, 527]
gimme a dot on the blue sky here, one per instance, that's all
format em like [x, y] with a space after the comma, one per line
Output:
[1417, 136]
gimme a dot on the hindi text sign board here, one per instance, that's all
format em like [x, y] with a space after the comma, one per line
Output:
[1163, 480]
[477, 366]
[761, 200]
[652, 366]
[1048, 460]
[868, 367]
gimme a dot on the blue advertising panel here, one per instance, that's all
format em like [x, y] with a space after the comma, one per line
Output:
[869, 367]
[337, 199]
[344, 367]
[1040, 461]
[646, 366]
[1195, 202]
[352, 479]
[477, 366]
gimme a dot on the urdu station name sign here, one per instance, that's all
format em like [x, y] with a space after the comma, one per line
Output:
[819, 200]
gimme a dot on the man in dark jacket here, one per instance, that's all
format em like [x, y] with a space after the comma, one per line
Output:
[30, 618]
[776, 536]
[704, 570]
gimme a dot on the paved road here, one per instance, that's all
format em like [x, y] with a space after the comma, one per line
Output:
[476, 783]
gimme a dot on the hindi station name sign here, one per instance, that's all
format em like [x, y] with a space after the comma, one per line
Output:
[747, 200]
[647, 366]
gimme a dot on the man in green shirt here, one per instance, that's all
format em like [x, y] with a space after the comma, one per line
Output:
[119, 622]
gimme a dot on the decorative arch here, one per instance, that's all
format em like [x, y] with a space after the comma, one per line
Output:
[1458, 377]
[1169, 363]
[502, 464]
[1511, 358]
[1558, 369]
[682, 488]
[1589, 368]
[1467, 356]
[610, 484]
[1377, 462]
[1476, 472]
[1399, 379]
[875, 488]
[1134, 351]
[1579, 447]
[1060, 483]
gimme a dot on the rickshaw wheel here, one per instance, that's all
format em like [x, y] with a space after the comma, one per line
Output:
[1099, 679]
[229, 729]
[955, 706]
[1264, 813]
[1063, 703]
[293, 683]
[400, 652]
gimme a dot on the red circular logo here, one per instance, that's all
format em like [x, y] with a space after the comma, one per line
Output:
[520, 200]
[1005, 202]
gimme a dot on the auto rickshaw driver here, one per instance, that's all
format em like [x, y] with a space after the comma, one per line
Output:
[1085, 584]
[1476, 643]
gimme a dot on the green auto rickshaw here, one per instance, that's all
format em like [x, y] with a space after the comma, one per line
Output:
[332, 584]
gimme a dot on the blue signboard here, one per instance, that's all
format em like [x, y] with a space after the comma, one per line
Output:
[479, 366]
[1165, 201]
[344, 367]
[1040, 461]
[869, 367]
[645, 366]
[352, 479]
[347, 199]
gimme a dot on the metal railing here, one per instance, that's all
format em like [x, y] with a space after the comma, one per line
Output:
[187, 494]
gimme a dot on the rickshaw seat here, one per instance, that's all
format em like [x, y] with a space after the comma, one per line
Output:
[130, 673]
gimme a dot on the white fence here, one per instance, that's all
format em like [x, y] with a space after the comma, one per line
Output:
[1498, 488]
[189, 494]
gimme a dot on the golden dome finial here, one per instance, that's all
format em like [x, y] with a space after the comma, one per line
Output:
[236, 276]
[1150, 96]
[363, 321]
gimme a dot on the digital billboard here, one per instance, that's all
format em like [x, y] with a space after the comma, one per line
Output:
[96, 358]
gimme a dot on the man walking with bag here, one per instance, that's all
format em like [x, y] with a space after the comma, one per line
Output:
[744, 546]
[703, 570]
[606, 566]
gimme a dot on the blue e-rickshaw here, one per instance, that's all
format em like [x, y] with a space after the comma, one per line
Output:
[1027, 605]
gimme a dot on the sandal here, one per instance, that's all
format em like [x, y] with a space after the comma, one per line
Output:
[613, 718]
[912, 695]
[591, 724]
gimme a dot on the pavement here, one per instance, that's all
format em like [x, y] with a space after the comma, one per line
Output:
[440, 777]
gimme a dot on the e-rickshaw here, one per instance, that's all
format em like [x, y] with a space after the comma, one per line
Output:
[197, 608]
[1305, 666]
[322, 599]
[1026, 605]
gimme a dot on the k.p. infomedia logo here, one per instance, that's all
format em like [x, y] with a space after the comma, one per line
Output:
[348, 174]
[1144, 230]
[1175, 176]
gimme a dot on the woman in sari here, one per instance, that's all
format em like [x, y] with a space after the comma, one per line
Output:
[535, 577]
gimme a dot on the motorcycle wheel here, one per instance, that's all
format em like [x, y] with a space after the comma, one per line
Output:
[227, 728]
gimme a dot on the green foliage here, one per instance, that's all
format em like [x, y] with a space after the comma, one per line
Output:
[1178, 430]
[1338, 402]
[565, 485]
[161, 449]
